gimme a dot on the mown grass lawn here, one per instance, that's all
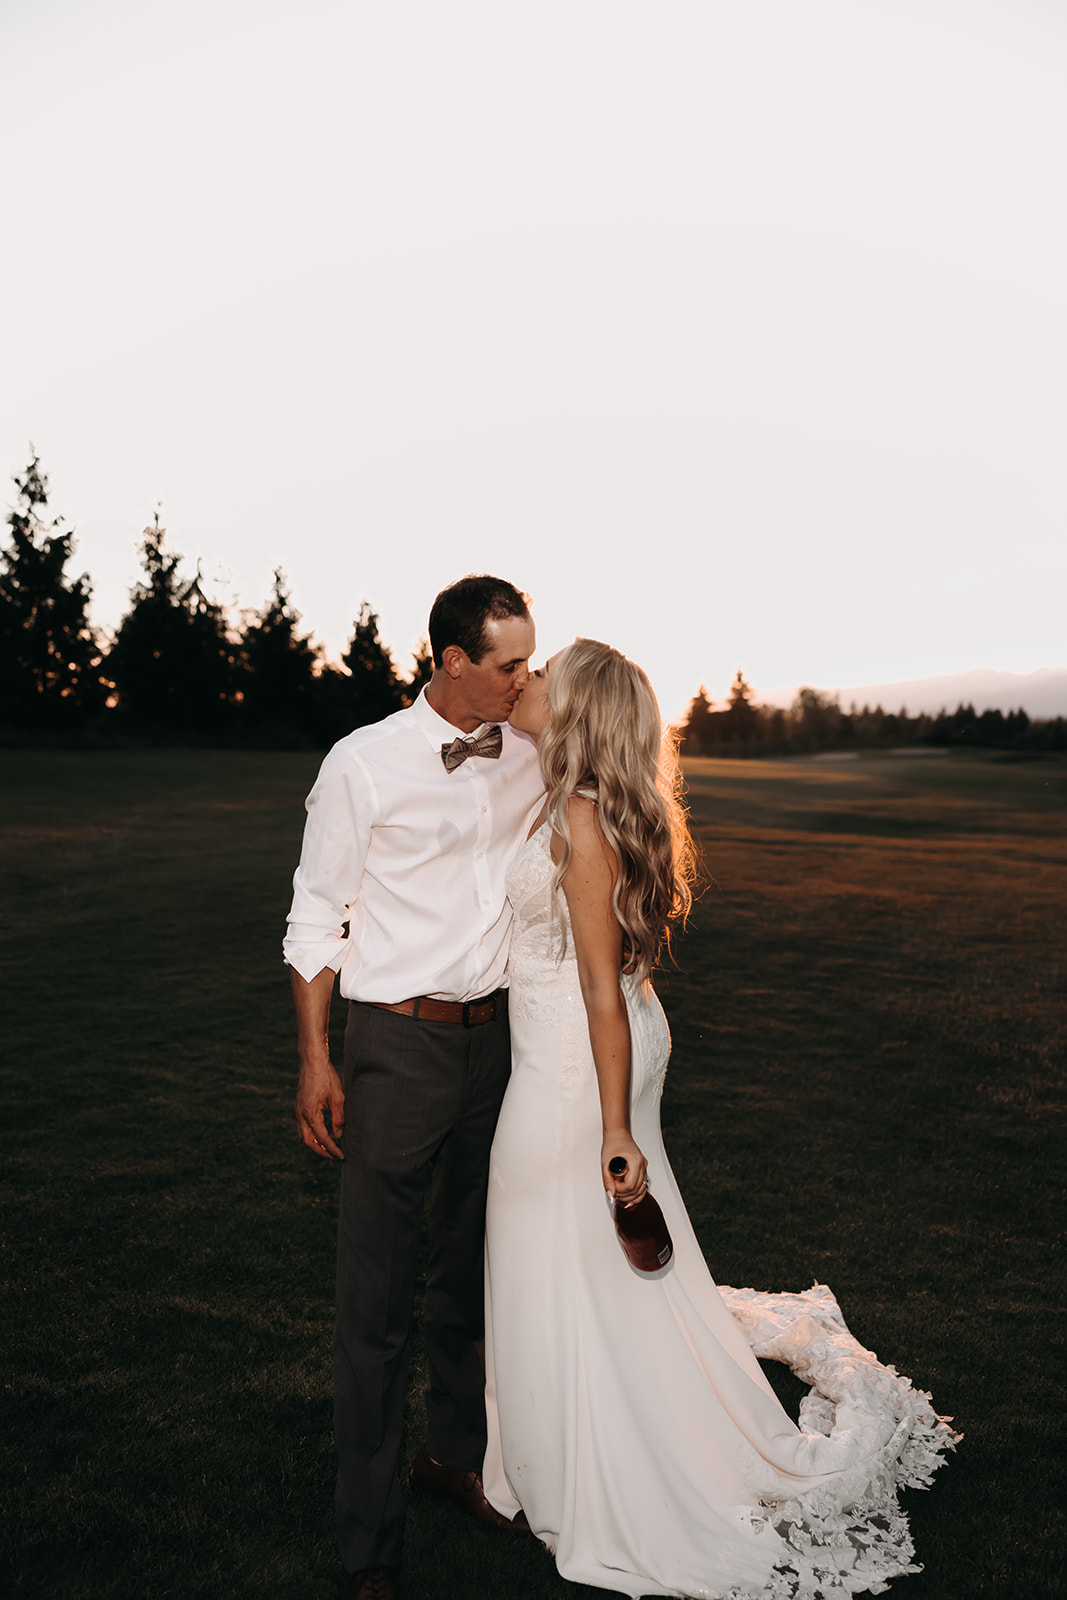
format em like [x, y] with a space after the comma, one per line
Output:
[868, 1015]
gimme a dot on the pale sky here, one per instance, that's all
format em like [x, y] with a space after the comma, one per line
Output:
[734, 331]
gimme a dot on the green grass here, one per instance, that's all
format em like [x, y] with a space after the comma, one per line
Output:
[866, 1089]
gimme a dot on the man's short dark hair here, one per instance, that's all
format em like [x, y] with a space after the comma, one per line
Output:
[460, 613]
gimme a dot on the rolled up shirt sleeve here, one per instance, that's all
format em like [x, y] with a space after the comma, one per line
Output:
[340, 814]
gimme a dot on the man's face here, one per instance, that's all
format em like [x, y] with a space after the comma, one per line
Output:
[492, 685]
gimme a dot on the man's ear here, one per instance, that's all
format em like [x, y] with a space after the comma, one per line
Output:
[453, 659]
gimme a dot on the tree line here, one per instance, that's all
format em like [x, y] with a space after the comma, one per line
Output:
[816, 721]
[180, 667]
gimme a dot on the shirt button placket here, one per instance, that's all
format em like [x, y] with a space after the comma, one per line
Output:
[481, 865]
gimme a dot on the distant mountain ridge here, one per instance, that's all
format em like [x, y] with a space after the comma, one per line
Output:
[1040, 694]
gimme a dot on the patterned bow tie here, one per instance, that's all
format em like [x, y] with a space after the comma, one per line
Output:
[487, 744]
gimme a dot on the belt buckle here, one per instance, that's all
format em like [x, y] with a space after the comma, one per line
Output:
[489, 1001]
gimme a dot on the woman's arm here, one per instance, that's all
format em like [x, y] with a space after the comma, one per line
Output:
[587, 886]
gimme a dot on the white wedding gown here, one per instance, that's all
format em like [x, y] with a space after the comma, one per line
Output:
[628, 1415]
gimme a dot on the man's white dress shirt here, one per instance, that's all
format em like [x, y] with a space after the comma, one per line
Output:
[412, 858]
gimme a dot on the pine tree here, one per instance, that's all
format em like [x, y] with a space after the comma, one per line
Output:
[278, 673]
[742, 717]
[698, 734]
[374, 686]
[49, 653]
[173, 662]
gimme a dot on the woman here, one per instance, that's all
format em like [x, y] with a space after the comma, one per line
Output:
[628, 1415]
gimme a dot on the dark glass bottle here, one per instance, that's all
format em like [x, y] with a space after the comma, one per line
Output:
[641, 1228]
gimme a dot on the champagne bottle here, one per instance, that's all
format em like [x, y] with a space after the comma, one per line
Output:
[641, 1228]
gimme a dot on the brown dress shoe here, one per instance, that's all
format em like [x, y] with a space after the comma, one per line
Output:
[465, 1488]
[373, 1583]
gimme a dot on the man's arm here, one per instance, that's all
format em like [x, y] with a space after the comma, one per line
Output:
[319, 1085]
[336, 839]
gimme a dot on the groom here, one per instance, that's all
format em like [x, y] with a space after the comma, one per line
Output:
[400, 891]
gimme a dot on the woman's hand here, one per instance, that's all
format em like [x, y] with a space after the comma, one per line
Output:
[634, 1181]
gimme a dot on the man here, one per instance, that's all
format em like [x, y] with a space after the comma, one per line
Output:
[411, 824]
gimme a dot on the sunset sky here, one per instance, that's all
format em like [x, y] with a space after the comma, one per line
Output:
[735, 331]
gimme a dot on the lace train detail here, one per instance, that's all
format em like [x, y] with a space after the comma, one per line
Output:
[851, 1537]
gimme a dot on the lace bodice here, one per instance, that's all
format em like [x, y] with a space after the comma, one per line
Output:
[542, 970]
[542, 929]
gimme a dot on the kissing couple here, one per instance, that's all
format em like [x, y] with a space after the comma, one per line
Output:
[492, 873]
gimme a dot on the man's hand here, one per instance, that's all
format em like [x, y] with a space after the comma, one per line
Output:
[319, 1088]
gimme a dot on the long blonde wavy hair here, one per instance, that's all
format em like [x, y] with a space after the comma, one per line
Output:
[604, 734]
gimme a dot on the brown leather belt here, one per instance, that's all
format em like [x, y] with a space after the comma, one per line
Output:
[469, 1013]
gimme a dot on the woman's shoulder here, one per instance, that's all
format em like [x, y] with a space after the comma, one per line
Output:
[582, 816]
[589, 844]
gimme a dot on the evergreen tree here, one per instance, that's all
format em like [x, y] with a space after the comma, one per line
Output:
[49, 654]
[374, 687]
[963, 725]
[698, 736]
[991, 728]
[742, 717]
[173, 662]
[278, 673]
[1016, 724]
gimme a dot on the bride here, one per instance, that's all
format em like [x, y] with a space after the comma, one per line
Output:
[628, 1414]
